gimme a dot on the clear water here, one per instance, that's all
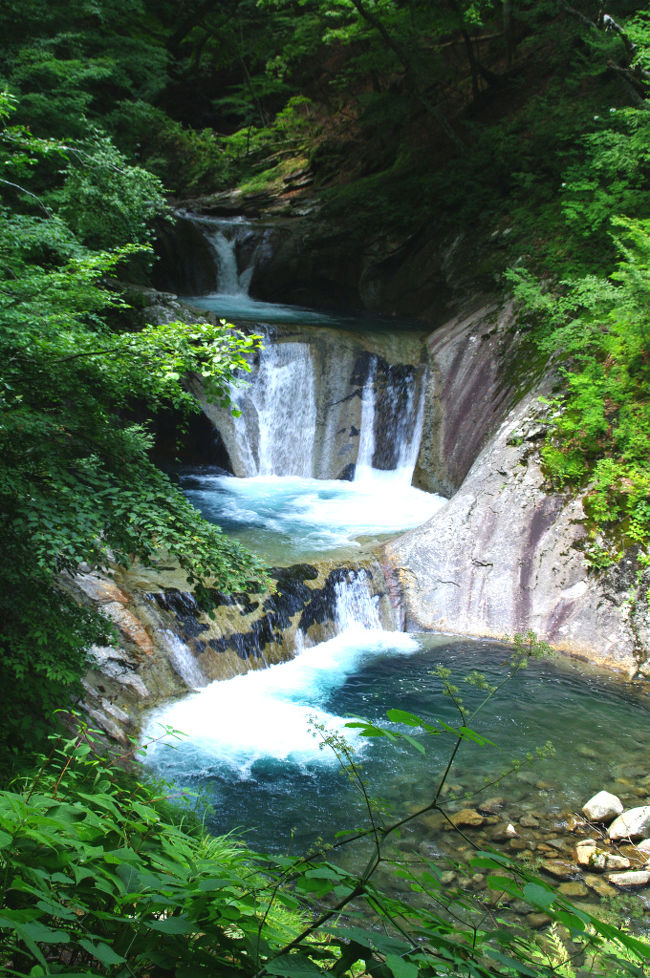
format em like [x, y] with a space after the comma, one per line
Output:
[242, 307]
[252, 751]
[288, 519]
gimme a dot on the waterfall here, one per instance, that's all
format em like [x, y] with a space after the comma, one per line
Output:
[277, 428]
[366, 449]
[226, 239]
[355, 604]
[392, 414]
[317, 407]
[409, 413]
[182, 660]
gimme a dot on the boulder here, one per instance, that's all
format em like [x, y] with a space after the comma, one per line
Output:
[632, 824]
[603, 807]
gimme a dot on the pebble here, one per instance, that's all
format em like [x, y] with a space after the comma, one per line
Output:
[467, 818]
[518, 845]
[491, 805]
[529, 822]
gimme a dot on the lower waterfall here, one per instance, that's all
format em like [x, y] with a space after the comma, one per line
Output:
[272, 713]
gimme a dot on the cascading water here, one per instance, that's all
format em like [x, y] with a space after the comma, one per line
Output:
[182, 660]
[366, 449]
[278, 413]
[224, 237]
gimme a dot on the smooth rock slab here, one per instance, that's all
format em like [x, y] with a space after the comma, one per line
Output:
[633, 824]
[630, 881]
[560, 869]
[603, 807]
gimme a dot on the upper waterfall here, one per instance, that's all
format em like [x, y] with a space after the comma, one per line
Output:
[233, 244]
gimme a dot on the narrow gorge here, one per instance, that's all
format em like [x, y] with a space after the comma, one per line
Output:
[389, 475]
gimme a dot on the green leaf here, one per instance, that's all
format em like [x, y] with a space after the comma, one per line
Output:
[401, 968]
[105, 954]
[468, 734]
[293, 966]
[402, 716]
[539, 895]
[171, 925]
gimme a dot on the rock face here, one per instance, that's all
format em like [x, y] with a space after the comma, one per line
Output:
[472, 384]
[505, 555]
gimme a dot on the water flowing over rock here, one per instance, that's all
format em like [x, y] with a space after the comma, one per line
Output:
[321, 401]
[178, 646]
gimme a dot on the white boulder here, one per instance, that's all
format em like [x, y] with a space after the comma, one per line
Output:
[632, 824]
[603, 807]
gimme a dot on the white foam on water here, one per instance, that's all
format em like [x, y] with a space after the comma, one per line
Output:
[268, 713]
[325, 513]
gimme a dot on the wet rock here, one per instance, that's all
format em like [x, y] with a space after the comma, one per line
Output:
[585, 751]
[635, 854]
[559, 868]
[630, 881]
[632, 824]
[519, 845]
[603, 807]
[467, 818]
[529, 822]
[575, 824]
[537, 920]
[503, 832]
[573, 890]
[447, 878]
[491, 805]
[599, 886]
[589, 855]
[557, 843]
